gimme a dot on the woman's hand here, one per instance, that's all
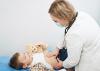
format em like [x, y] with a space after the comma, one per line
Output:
[59, 64]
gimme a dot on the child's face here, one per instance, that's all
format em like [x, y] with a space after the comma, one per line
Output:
[25, 58]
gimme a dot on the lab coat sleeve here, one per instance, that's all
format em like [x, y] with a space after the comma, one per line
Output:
[74, 45]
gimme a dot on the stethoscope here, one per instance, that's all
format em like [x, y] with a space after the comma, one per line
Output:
[67, 28]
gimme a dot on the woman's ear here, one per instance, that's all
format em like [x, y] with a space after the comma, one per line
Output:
[24, 65]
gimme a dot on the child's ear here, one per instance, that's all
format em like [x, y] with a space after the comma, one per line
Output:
[24, 65]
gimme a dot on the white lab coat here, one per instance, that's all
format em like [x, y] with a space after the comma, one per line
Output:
[83, 44]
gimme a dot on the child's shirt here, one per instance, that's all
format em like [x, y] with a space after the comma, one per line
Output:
[39, 58]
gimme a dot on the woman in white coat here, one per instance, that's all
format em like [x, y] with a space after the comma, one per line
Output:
[82, 38]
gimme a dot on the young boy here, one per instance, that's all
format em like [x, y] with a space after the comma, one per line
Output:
[28, 59]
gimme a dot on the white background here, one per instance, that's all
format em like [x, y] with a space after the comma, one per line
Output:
[26, 21]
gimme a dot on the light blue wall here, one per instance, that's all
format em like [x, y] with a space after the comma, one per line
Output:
[26, 21]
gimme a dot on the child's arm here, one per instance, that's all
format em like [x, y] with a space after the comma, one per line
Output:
[53, 53]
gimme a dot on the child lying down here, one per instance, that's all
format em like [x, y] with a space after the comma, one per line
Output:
[35, 58]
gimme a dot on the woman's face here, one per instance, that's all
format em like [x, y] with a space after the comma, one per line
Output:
[62, 22]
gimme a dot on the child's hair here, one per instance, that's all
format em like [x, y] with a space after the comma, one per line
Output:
[62, 9]
[14, 62]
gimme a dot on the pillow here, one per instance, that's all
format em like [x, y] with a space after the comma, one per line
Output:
[4, 64]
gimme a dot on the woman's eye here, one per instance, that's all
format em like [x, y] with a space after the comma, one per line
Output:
[55, 21]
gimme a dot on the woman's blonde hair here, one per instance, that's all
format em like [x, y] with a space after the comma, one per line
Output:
[62, 9]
